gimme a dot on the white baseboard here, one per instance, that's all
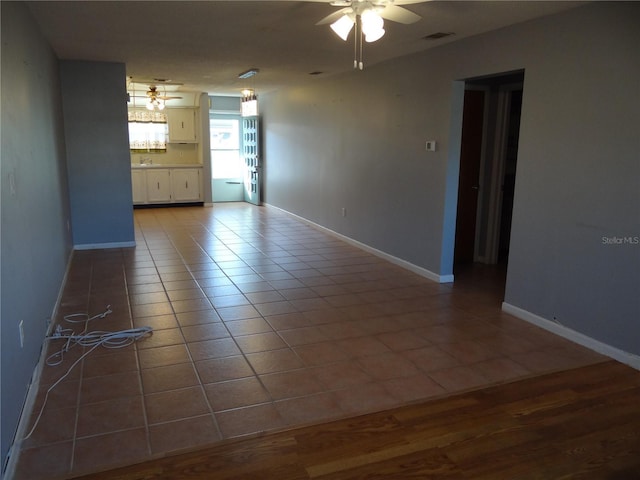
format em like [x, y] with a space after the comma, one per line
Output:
[423, 272]
[577, 337]
[97, 246]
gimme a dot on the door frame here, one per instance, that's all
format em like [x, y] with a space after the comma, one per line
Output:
[483, 164]
[496, 179]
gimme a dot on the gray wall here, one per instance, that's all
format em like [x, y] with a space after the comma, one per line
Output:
[36, 244]
[578, 177]
[97, 139]
[357, 141]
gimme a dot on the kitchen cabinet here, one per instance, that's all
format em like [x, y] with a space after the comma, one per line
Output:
[138, 186]
[158, 185]
[166, 184]
[185, 183]
[182, 125]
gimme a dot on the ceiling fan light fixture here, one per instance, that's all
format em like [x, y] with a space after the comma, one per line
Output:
[372, 26]
[373, 36]
[342, 27]
[154, 103]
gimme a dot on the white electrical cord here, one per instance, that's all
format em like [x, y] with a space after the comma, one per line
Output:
[58, 357]
[93, 340]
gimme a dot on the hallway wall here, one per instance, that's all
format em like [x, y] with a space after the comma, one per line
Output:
[98, 154]
[36, 239]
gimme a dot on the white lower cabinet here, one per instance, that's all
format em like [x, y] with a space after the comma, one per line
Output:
[138, 186]
[166, 185]
[158, 186]
[185, 184]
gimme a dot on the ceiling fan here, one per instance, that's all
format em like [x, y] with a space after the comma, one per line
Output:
[367, 16]
[154, 98]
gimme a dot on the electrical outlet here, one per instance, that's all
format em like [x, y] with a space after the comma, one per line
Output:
[431, 145]
[21, 329]
[344, 212]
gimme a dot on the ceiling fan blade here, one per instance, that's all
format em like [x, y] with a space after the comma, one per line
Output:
[334, 16]
[399, 14]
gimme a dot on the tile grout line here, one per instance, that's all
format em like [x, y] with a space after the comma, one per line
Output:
[80, 381]
[136, 351]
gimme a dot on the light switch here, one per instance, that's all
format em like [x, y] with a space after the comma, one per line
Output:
[431, 146]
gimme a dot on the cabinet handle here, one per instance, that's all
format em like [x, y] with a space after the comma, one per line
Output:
[182, 123]
[158, 185]
[186, 185]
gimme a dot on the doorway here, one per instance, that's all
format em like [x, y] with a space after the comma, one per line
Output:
[488, 160]
[235, 158]
[226, 161]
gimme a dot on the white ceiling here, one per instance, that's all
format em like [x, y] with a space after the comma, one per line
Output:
[206, 44]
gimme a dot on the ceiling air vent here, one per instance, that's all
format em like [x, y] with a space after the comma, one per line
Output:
[438, 35]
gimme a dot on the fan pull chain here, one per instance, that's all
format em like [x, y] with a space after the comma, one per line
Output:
[355, 44]
[358, 38]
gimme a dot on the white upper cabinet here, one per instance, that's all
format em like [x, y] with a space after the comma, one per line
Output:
[182, 125]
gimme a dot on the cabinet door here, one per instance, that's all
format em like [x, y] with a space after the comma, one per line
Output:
[158, 185]
[182, 125]
[138, 186]
[186, 184]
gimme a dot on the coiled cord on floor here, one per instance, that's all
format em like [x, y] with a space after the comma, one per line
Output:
[68, 333]
[93, 340]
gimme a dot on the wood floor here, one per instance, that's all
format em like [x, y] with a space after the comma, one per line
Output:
[574, 424]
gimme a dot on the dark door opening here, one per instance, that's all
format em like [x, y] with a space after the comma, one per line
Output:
[488, 158]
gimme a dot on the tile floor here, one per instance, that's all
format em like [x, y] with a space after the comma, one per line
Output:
[261, 322]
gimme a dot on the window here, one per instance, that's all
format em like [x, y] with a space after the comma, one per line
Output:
[226, 161]
[147, 131]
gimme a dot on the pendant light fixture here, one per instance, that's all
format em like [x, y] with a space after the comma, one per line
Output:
[249, 103]
[249, 100]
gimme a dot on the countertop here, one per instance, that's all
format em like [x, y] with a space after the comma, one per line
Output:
[160, 165]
